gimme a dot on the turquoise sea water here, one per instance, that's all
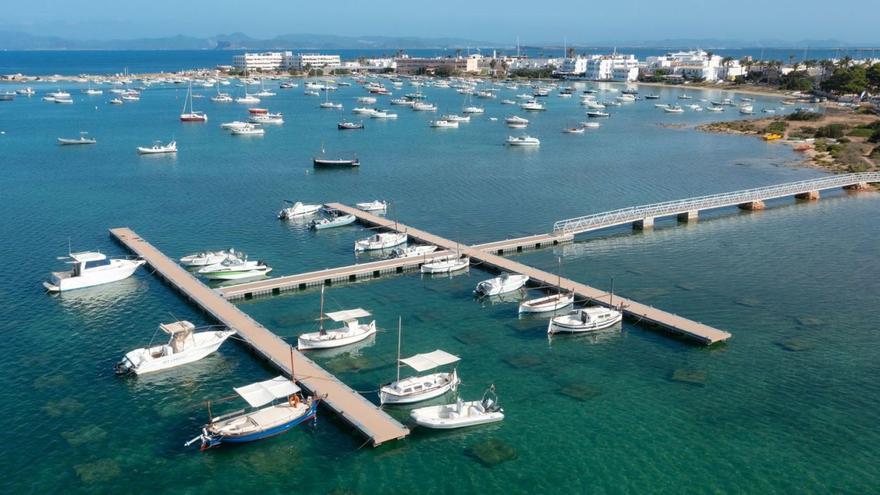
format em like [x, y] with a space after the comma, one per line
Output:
[787, 406]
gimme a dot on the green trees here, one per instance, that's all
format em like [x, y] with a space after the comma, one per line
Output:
[797, 81]
[847, 80]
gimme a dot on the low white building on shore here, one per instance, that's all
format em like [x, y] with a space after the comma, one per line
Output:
[694, 64]
[614, 67]
[261, 62]
[301, 61]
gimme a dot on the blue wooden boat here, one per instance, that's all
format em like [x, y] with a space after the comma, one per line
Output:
[286, 408]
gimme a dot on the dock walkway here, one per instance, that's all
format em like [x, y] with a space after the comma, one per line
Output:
[374, 423]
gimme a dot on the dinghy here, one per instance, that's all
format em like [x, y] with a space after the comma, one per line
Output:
[185, 345]
[461, 414]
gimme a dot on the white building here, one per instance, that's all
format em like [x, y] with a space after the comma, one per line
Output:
[695, 64]
[313, 61]
[267, 61]
[612, 68]
[573, 67]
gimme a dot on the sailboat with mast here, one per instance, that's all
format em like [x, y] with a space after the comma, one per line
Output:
[420, 388]
[562, 299]
[191, 115]
[351, 332]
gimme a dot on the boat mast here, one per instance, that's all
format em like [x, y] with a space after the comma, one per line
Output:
[611, 298]
[559, 275]
[321, 315]
[399, 325]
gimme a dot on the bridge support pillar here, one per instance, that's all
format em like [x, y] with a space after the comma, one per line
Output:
[752, 206]
[688, 216]
[808, 196]
[644, 224]
[861, 186]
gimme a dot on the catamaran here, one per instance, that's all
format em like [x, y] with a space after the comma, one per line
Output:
[287, 408]
[91, 268]
[350, 333]
[192, 115]
[186, 344]
[420, 388]
[460, 414]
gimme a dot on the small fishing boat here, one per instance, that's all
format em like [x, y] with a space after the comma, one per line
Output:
[28, 91]
[501, 284]
[269, 118]
[297, 210]
[714, 108]
[235, 268]
[597, 114]
[191, 115]
[116, 101]
[336, 221]
[158, 148]
[382, 114]
[547, 304]
[515, 119]
[508, 102]
[186, 344]
[573, 130]
[533, 105]
[673, 109]
[324, 161]
[685, 97]
[64, 101]
[91, 268]
[420, 388]
[345, 126]
[448, 265]
[584, 320]
[652, 97]
[473, 110]
[424, 107]
[412, 251]
[382, 240]
[377, 205]
[205, 258]
[456, 118]
[82, 139]
[460, 414]
[235, 124]
[350, 333]
[287, 408]
[522, 141]
[747, 109]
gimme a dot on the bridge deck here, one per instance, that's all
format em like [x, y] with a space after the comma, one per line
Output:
[378, 426]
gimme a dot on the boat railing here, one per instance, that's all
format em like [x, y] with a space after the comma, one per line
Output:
[634, 213]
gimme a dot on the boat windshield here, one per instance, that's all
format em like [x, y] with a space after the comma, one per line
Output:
[96, 263]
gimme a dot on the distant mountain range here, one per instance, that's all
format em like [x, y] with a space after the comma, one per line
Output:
[14, 40]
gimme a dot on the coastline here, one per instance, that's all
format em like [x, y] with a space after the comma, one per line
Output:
[747, 90]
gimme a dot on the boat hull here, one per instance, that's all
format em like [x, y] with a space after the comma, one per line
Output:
[546, 304]
[435, 417]
[387, 395]
[556, 326]
[310, 341]
[122, 270]
[211, 439]
[139, 365]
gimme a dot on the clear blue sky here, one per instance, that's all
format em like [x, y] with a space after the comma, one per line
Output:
[584, 21]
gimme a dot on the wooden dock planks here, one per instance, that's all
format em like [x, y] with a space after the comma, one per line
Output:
[374, 423]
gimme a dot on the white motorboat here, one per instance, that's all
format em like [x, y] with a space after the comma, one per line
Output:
[420, 388]
[533, 105]
[412, 251]
[460, 414]
[352, 331]
[456, 118]
[401, 101]
[377, 205]
[222, 98]
[501, 284]
[573, 130]
[206, 258]
[28, 91]
[382, 114]
[286, 408]
[424, 107]
[158, 148]
[444, 124]
[473, 110]
[363, 110]
[673, 109]
[64, 101]
[515, 119]
[82, 139]
[747, 109]
[590, 125]
[661, 105]
[64, 95]
[369, 100]
[329, 223]
[247, 99]
[186, 345]
[584, 320]
[297, 210]
[271, 118]
[116, 101]
[448, 265]
[508, 102]
[382, 240]
[547, 304]
[596, 114]
[235, 124]
[523, 141]
[91, 268]
[714, 108]
[247, 130]
[234, 268]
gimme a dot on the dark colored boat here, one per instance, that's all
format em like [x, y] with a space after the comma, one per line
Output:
[336, 162]
[344, 126]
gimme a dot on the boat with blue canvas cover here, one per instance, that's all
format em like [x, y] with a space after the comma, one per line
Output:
[286, 408]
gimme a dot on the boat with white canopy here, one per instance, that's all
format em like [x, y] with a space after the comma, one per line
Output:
[350, 333]
[286, 408]
[186, 344]
[420, 388]
[460, 414]
[91, 268]
[583, 320]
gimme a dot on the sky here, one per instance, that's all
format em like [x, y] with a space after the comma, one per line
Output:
[498, 21]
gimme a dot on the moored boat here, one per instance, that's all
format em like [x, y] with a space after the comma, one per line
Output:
[297, 210]
[583, 320]
[158, 148]
[235, 268]
[352, 331]
[186, 344]
[460, 414]
[205, 258]
[382, 240]
[501, 284]
[336, 221]
[412, 251]
[91, 268]
[420, 388]
[448, 265]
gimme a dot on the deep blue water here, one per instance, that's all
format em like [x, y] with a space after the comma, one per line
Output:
[787, 406]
